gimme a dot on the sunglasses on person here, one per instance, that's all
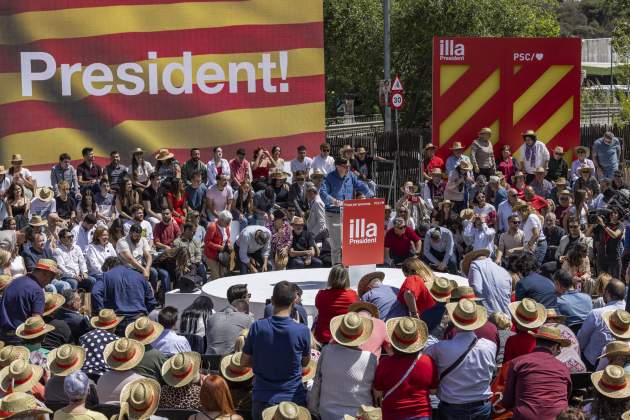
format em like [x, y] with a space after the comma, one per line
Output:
[516, 222]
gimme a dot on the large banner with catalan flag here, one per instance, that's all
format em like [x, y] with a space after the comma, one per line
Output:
[510, 85]
[121, 74]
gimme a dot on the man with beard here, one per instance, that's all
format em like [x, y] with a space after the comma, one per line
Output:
[194, 165]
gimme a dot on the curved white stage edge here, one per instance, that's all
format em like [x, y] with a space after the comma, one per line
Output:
[261, 285]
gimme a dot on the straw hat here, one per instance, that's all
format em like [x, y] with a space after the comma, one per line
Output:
[123, 354]
[465, 165]
[16, 158]
[429, 146]
[20, 376]
[559, 150]
[529, 133]
[616, 348]
[413, 188]
[136, 150]
[20, 404]
[466, 214]
[539, 170]
[280, 175]
[554, 316]
[232, 370]
[485, 130]
[585, 168]
[9, 354]
[612, 382]
[364, 306]
[561, 181]
[308, 372]
[139, 399]
[583, 149]
[436, 171]
[5, 280]
[36, 221]
[440, 289]
[446, 202]
[297, 220]
[466, 315]
[52, 302]
[106, 320]
[517, 174]
[164, 154]
[367, 279]
[366, 412]
[33, 327]
[45, 194]
[286, 411]
[66, 359]
[463, 292]
[318, 173]
[181, 369]
[144, 330]
[528, 313]
[457, 145]
[407, 334]
[350, 329]
[548, 333]
[472, 256]
[618, 322]
[47, 265]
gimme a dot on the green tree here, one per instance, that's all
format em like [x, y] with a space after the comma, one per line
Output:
[621, 46]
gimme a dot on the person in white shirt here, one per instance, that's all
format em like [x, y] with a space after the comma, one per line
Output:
[217, 166]
[478, 235]
[98, 251]
[532, 154]
[137, 214]
[71, 262]
[324, 162]
[83, 233]
[169, 342]
[301, 162]
[134, 250]
[533, 235]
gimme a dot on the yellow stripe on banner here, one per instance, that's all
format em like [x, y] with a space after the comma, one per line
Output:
[555, 123]
[301, 62]
[94, 21]
[230, 127]
[538, 90]
[449, 74]
[469, 107]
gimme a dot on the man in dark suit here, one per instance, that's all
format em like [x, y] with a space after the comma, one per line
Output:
[69, 312]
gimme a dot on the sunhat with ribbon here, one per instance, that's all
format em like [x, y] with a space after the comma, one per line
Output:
[463, 292]
[37, 221]
[528, 313]
[351, 329]
[529, 133]
[440, 289]
[52, 302]
[286, 411]
[464, 165]
[46, 264]
[232, 370]
[33, 327]
[407, 334]
[144, 330]
[457, 145]
[9, 354]
[181, 369]
[137, 150]
[366, 412]
[362, 286]
[616, 348]
[364, 306]
[618, 322]
[554, 316]
[549, 333]
[612, 382]
[45, 194]
[466, 315]
[410, 187]
[123, 354]
[317, 173]
[20, 404]
[472, 256]
[308, 372]
[164, 154]
[106, 319]
[66, 359]
[20, 376]
[16, 158]
[139, 399]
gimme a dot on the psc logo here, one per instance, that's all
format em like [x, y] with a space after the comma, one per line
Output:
[528, 56]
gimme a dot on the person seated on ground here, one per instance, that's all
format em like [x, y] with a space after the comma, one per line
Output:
[77, 387]
[401, 242]
[224, 326]
[298, 313]
[438, 250]
[94, 342]
[166, 231]
[71, 261]
[571, 302]
[372, 290]
[169, 342]
[253, 248]
[79, 324]
[533, 285]
[215, 401]
[146, 332]
[303, 251]
[183, 382]
[527, 316]
[333, 301]
[538, 385]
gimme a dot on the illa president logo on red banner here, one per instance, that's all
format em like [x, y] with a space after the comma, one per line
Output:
[363, 231]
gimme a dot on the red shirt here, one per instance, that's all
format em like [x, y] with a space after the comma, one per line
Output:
[329, 304]
[517, 345]
[400, 245]
[411, 398]
[434, 162]
[424, 300]
[166, 233]
[538, 202]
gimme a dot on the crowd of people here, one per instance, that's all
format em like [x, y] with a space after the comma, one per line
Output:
[544, 246]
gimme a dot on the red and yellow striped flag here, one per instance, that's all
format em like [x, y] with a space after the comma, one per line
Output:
[121, 74]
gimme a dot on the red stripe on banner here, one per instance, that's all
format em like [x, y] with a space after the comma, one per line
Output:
[288, 144]
[11, 7]
[104, 112]
[564, 138]
[129, 47]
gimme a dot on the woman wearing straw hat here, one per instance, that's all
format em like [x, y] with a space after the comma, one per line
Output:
[121, 356]
[286, 411]
[582, 159]
[532, 154]
[612, 398]
[183, 381]
[76, 387]
[402, 381]
[527, 315]
[62, 361]
[139, 399]
[166, 166]
[344, 372]
[146, 331]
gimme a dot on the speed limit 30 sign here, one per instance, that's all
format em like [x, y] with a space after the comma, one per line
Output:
[397, 100]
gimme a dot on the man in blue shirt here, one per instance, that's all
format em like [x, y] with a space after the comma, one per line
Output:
[23, 298]
[533, 285]
[339, 185]
[277, 348]
[125, 291]
[606, 152]
[574, 305]
[437, 250]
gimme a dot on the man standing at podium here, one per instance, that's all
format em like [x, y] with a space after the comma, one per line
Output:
[339, 185]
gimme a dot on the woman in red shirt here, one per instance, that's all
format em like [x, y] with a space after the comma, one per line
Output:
[410, 399]
[333, 301]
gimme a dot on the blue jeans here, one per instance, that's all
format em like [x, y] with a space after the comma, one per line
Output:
[85, 284]
[57, 286]
[540, 251]
[471, 411]
[161, 275]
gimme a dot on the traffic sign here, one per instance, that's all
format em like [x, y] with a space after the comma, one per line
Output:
[397, 85]
[397, 100]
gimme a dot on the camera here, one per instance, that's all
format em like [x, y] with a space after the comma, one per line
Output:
[593, 214]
